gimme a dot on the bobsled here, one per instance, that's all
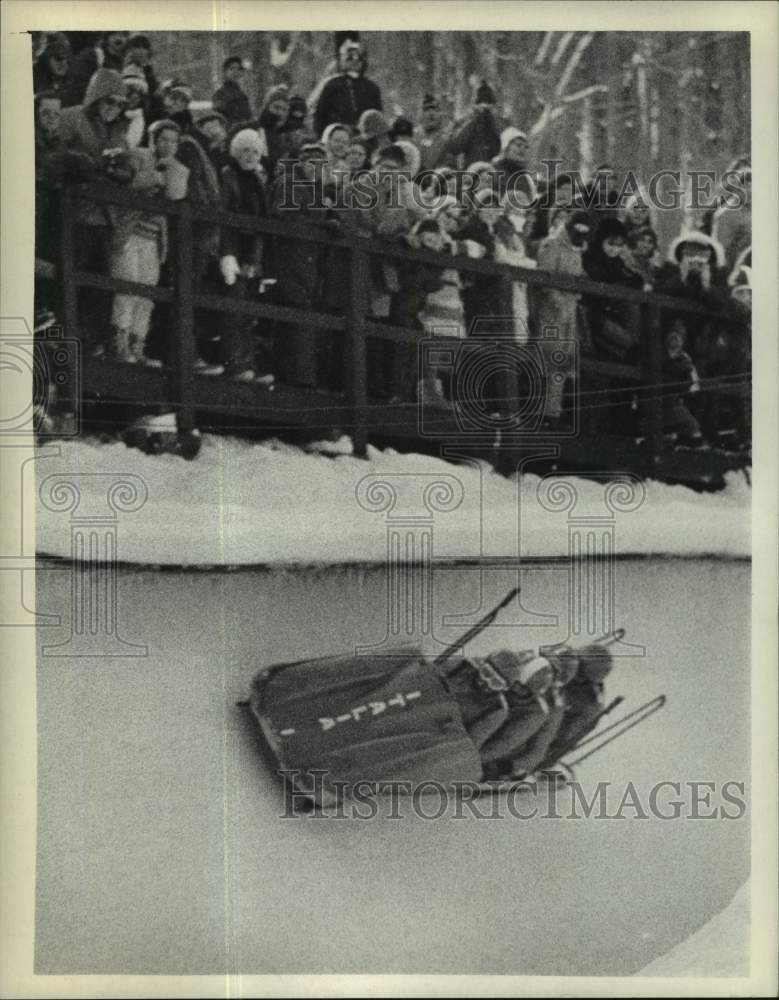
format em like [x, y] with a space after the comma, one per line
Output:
[331, 724]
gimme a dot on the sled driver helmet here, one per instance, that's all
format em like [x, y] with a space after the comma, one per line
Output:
[565, 663]
[595, 663]
[536, 675]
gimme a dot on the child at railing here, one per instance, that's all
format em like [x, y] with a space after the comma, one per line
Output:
[680, 378]
[140, 240]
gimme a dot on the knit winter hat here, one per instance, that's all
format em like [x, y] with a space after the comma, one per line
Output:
[698, 239]
[334, 127]
[164, 123]
[312, 149]
[536, 675]
[565, 664]
[509, 134]
[393, 153]
[247, 138]
[212, 116]
[485, 94]
[401, 128]
[179, 87]
[134, 76]
[595, 663]
[372, 124]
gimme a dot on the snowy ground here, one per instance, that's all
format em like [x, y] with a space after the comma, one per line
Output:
[719, 948]
[271, 503]
[161, 847]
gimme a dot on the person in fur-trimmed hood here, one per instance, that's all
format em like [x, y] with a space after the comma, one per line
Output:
[345, 96]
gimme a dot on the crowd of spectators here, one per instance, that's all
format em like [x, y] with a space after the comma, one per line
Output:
[467, 188]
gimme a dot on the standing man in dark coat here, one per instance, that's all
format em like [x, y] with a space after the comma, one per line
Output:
[478, 138]
[344, 97]
[231, 100]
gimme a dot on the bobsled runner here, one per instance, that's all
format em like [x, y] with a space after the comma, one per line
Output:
[333, 723]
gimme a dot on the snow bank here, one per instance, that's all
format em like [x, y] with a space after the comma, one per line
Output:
[271, 503]
[719, 948]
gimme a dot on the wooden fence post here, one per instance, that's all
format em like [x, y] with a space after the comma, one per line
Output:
[653, 379]
[356, 387]
[182, 377]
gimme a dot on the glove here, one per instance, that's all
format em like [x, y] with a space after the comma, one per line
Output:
[230, 269]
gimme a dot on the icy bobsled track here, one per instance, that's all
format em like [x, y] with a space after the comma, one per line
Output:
[161, 842]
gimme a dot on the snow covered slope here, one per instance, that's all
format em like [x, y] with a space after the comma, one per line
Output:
[719, 948]
[266, 503]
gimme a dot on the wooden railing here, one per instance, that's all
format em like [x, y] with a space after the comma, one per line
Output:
[355, 322]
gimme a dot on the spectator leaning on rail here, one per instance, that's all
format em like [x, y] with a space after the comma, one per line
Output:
[136, 90]
[556, 311]
[230, 99]
[241, 251]
[140, 240]
[108, 53]
[347, 95]
[97, 129]
[54, 162]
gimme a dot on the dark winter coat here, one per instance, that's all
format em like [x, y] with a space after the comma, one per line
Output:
[478, 139]
[82, 69]
[44, 80]
[712, 344]
[54, 163]
[416, 281]
[343, 99]
[583, 705]
[203, 188]
[535, 751]
[527, 715]
[231, 101]
[84, 133]
[242, 193]
[297, 265]
[514, 175]
[485, 296]
[614, 326]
